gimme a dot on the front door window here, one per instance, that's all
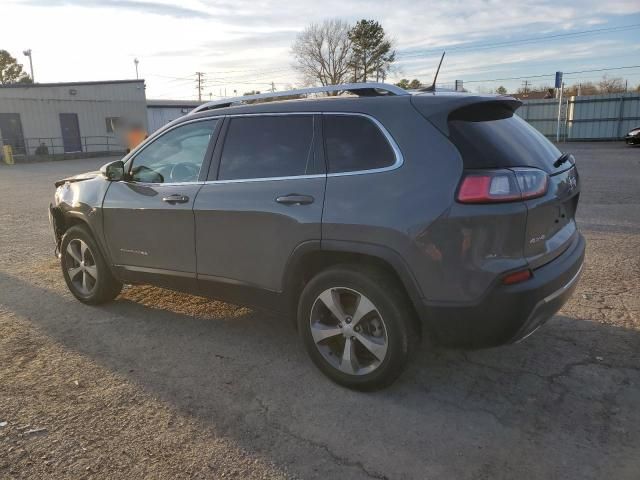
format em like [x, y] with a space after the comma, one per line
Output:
[175, 157]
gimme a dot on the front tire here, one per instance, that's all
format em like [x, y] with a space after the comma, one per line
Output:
[85, 271]
[357, 326]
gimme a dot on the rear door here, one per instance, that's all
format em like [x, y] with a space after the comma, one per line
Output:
[148, 219]
[490, 136]
[264, 197]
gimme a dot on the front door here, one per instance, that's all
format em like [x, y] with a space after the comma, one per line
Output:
[70, 132]
[265, 200]
[148, 219]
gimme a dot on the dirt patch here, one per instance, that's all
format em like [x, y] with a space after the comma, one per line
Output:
[64, 416]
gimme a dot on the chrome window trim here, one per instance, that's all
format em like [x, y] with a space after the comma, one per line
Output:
[394, 146]
[399, 159]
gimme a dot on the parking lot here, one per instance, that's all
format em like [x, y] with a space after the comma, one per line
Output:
[164, 385]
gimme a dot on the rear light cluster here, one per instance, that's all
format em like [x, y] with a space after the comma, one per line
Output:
[493, 186]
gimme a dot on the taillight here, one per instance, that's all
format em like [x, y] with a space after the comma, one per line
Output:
[493, 186]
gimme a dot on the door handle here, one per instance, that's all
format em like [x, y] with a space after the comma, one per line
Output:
[173, 199]
[295, 199]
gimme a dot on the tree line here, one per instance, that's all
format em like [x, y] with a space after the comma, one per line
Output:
[605, 85]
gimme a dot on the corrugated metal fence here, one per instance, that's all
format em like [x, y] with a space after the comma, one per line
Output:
[594, 117]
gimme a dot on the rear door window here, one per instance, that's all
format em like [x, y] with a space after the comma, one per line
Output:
[354, 143]
[268, 146]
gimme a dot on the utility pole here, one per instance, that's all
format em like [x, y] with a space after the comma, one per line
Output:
[525, 86]
[273, 87]
[200, 87]
[136, 62]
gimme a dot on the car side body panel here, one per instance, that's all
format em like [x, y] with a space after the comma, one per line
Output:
[243, 234]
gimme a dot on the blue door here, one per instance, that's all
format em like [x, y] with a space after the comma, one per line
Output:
[70, 132]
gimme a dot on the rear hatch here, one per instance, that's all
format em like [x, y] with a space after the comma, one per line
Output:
[491, 137]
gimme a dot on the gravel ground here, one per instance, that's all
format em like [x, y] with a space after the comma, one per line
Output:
[165, 385]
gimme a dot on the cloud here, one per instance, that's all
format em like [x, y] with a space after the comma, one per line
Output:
[154, 8]
[246, 43]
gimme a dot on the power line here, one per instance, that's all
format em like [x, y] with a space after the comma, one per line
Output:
[524, 77]
[620, 28]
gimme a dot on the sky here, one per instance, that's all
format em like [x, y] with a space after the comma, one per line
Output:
[243, 45]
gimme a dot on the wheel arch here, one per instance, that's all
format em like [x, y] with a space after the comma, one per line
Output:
[62, 220]
[310, 258]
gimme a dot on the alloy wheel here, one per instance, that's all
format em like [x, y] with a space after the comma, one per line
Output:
[81, 266]
[349, 331]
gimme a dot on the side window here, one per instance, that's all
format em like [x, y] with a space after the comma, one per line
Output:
[175, 156]
[268, 146]
[354, 143]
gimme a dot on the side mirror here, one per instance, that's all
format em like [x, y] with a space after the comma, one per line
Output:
[113, 171]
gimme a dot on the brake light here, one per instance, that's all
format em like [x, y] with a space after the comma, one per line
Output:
[494, 186]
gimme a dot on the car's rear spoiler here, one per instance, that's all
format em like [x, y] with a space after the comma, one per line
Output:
[438, 108]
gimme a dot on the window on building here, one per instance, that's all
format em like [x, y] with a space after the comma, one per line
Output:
[355, 143]
[268, 146]
[113, 123]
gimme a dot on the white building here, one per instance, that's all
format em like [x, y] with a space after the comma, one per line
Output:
[75, 117]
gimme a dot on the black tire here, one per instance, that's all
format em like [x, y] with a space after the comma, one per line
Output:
[395, 314]
[105, 287]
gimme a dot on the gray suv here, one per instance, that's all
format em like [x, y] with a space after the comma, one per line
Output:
[373, 219]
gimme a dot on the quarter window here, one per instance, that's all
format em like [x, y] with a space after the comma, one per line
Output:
[268, 146]
[354, 143]
[176, 156]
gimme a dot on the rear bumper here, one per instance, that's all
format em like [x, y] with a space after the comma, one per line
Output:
[508, 314]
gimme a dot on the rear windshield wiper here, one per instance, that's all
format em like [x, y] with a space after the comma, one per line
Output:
[561, 160]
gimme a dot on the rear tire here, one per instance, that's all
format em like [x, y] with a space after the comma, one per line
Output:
[357, 326]
[85, 271]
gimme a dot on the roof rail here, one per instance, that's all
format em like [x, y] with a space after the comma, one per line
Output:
[370, 89]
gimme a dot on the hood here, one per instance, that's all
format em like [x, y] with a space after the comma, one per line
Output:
[78, 178]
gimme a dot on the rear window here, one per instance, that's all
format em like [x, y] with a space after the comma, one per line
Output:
[494, 137]
[355, 143]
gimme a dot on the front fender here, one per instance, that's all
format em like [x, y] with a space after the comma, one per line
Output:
[80, 203]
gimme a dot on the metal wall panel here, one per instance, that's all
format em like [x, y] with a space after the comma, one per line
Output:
[40, 108]
[594, 117]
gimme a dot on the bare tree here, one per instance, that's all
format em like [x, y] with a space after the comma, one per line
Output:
[582, 88]
[611, 85]
[323, 52]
